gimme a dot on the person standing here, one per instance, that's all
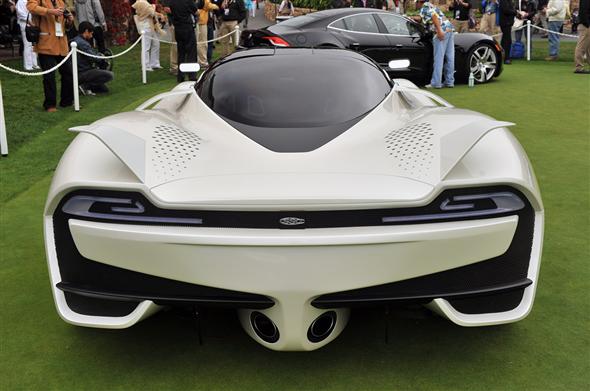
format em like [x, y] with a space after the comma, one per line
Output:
[507, 14]
[52, 48]
[526, 10]
[556, 11]
[460, 10]
[29, 56]
[202, 34]
[488, 18]
[443, 43]
[232, 13]
[583, 45]
[91, 11]
[184, 13]
[147, 21]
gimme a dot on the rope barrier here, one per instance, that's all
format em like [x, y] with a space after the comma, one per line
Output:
[514, 29]
[66, 58]
[554, 32]
[114, 55]
[211, 40]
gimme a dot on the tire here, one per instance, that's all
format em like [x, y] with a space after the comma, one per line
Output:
[483, 61]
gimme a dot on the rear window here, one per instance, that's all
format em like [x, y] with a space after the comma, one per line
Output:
[323, 90]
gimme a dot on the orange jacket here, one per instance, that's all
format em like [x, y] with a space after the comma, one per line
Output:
[48, 42]
[204, 13]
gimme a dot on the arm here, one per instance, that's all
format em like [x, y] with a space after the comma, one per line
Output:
[554, 7]
[437, 25]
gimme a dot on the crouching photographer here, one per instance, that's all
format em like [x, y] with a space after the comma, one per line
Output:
[92, 78]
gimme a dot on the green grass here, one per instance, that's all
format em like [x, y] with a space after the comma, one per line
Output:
[550, 350]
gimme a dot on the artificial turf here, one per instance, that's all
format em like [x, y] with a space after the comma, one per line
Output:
[549, 350]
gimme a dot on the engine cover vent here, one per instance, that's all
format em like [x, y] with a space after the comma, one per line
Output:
[172, 149]
[412, 148]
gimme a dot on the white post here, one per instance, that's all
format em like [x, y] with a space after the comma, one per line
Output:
[237, 37]
[143, 70]
[528, 40]
[74, 46]
[3, 140]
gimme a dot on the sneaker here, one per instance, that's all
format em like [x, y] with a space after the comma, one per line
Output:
[86, 91]
[551, 58]
[449, 86]
[157, 67]
[51, 109]
[36, 67]
[583, 71]
[507, 62]
[149, 69]
[430, 86]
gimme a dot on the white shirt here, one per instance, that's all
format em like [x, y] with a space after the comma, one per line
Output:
[21, 10]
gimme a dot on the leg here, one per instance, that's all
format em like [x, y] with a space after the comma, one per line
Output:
[67, 84]
[181, 41]
[49, 87]
[173, 52]
[191, 53]
[202, 45]
[146, 50]
[210, 45]
[506, 41]
[27, 49]
[483, 24]
[582, 47]
[224, 29]
[95, 77]
[518, 35]
[154, 53]
[98, 35]
[449, 67]
[438, 57]
[553, 39]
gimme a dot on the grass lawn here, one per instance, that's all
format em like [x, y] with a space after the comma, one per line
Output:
[549, 350]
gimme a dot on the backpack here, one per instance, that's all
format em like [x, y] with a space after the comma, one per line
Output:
[517, 50]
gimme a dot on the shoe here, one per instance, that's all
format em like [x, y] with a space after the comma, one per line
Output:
[584, 71]
[430, 86]
[551, 58]
[51, 109]
[507, 62]
[449, 86]
[86, 91]
[29, 69]
[157, 67]
[36, 67]
[149, 69]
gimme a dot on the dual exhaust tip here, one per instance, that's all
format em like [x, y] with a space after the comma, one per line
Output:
[319, 329]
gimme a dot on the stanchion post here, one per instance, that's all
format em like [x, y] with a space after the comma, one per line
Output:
[76, 91]
[3, 140]
[237, 37]
[143, 69]
[528, 40]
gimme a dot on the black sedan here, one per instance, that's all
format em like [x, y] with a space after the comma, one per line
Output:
[382, 36]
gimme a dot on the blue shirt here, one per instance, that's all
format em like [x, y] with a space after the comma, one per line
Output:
[426, 13]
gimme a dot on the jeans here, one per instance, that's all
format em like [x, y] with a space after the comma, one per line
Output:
[443, 50]
[554, 38]
[95, 79]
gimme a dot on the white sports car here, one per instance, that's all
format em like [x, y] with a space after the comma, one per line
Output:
[293, 184]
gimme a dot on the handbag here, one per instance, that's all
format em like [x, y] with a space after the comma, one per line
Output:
[32, 32]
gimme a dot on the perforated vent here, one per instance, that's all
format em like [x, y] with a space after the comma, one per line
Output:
[173, 148]
[412, 148]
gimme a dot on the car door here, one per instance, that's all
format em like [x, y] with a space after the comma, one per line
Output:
[407, 42]
[361, 33]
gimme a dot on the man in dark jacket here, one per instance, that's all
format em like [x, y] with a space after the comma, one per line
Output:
[91, 79]
[583, 46]
[184, 14]
[232, 13]
[507, 14]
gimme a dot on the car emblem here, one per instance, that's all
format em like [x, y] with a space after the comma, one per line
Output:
[292, 221]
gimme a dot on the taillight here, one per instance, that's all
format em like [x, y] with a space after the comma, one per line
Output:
[277, 41]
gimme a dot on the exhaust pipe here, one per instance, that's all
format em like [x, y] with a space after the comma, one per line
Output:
[321, 327]
[264, 328]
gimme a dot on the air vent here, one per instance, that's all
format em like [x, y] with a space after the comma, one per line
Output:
[412, 148]
[172, 149]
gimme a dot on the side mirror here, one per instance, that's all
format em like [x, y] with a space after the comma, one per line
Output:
[399, 64]
[189, 67]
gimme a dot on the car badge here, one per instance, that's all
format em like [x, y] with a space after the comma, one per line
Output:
[292, 221]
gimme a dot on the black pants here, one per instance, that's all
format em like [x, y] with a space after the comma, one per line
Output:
[49, 87]
[187, 49]
[506, 41]
[95, 79]
[98, 36]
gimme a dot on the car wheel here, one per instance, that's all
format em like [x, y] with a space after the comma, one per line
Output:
[482, 62]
